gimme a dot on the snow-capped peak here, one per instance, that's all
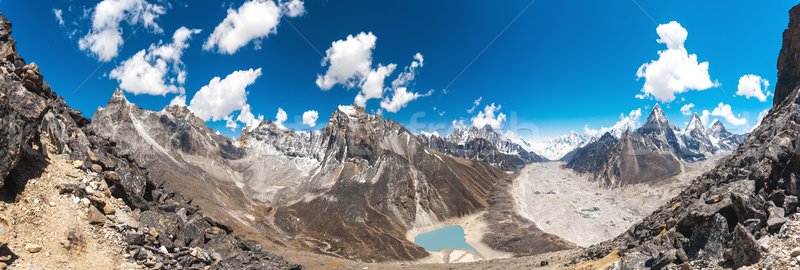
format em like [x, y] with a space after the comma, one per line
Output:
[348, 110]
[695, 124]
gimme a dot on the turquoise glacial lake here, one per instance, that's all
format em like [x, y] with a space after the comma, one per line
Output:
[446, 237]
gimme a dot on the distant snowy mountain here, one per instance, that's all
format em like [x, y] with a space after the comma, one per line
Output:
[565, 146]
[506, 151]
[557, 148]
[652, 152]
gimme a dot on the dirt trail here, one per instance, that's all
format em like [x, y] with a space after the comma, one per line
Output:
[52, 231]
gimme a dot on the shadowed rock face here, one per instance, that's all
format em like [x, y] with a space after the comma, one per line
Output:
[647, 155]
[594, 156]
[652, 153]
[33, 116]
[717, 221]
[788, 59]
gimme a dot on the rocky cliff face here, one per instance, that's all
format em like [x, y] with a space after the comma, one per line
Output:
[170, 232]
[594, 156]
[789, 59]
[719, 220]
[482, 144]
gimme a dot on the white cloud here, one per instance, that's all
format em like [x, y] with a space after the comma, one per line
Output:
[222, 97]
[475, 105]
[687, 109]
[372, 87]
[280, 118]
[349, 61]
[401, 96]
[293, 8]
[310, 118]
[400, 99]
[254, 20]
[349, 64]
[157, 70]
[725, 111]
[247, 117]
[625, 122]
[179, 100]
[753, 86]
[491, 116]
[105, 38]
[59, 16]
[676, 71]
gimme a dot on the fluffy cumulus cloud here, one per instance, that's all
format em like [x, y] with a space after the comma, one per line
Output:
[687, 109]
[372, 87]
[105, 37]
[293, 8]
[157, 70]
[349, 63]
[310, 118]
[348, 60]
[676, 71]
[280, 118]
[222, 97]
[250, 23]
[753, 86]
[491, 116]
[725, 111]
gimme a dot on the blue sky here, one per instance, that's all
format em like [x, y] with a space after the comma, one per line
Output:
[554, 66]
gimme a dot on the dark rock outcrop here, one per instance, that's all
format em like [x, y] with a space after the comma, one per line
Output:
[34, 116]
[752, 191]
[594, 156]
[788, 59]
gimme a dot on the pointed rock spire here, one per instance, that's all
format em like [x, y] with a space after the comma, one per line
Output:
[695, 124]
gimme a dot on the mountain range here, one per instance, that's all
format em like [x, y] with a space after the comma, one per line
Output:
[355, 188]
[483, 144]
[653, 152]
[310, 190]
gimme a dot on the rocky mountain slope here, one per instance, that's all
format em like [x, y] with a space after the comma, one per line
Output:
[722, 218]
[654, 152]
[483, 144]
[350, 191]
[157, 227]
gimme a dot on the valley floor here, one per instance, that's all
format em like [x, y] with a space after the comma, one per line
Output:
[577, 209]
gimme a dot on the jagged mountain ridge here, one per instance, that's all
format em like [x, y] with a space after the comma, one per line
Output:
[41, 124]
[483, 144]
[653, 152]
[361, 169]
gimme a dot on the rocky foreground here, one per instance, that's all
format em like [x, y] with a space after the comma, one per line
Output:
[71, 200]
[720, 220]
